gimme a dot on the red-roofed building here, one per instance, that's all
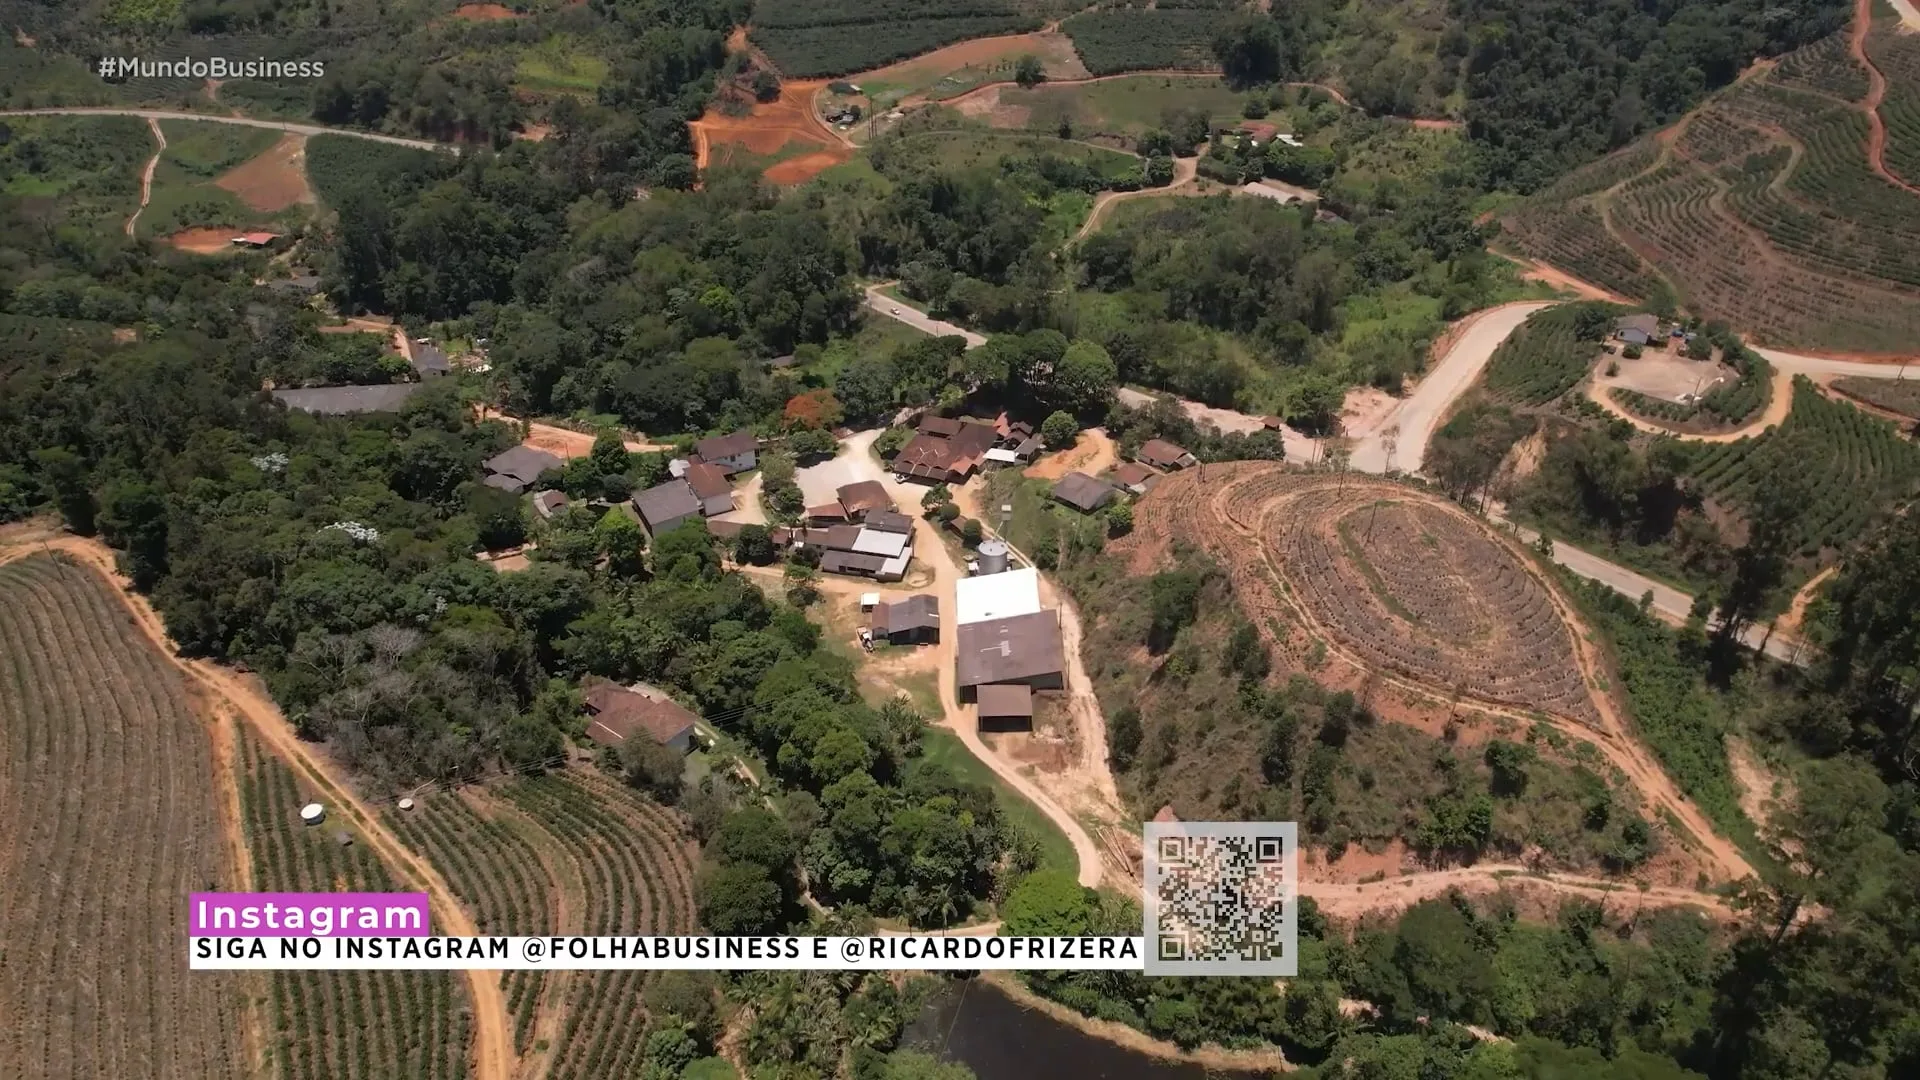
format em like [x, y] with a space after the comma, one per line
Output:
[255, 239]
[617, 713]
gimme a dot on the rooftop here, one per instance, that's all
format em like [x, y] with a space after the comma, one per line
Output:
[335, 400]
[620, 712]
[722, 446]
[1132, 473]
[1083, 492]
[1162, 453]
[864, 496]
[915, 612]
[522, 463]
[1009, 649]
[666, 502]
[890, 521]
[429, 360]
[708, 481]
[1013, 699]
[997, 596]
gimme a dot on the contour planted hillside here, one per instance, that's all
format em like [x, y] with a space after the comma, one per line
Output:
[569, 853]
[343, 1025]
[1764, 207]
[108, 819]
[807, 38]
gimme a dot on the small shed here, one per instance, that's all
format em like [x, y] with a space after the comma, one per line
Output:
[1006, 707]
[1083, 492]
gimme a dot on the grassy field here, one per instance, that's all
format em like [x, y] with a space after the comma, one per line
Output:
[202, 151]
[1056, 851]
[107, 785]
[559, 65]
[971, 148]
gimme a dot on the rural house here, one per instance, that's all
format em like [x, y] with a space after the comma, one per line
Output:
[946, 450]
[1164, 455]
[427, 360]
[737, 452]
[1083, 492]
[912, 621]
[710, 486]
[863, 551]
[1135, 477]
[617, 713]
[862, 498]
[1023, 649]
[515, 469]
[1637, 329]
[666, 506]
[548, 503]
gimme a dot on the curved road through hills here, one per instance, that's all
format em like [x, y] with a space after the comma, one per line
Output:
[242, 121]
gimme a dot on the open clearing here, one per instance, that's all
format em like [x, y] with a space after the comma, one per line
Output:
[786, 126]
[956, 69]
[108, 819]
[275, 180]
[484, 12]
[1432, 605]
[203, 241]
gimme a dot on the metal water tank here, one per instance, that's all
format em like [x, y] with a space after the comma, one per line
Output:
[993, 556]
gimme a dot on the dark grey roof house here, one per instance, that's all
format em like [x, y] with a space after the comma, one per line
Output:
[667, 505]
[1083, 492]
[913, 619]
[734, 453]
[516, 468]
[429, 361]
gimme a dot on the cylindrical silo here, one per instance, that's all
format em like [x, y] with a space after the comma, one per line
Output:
[993, 556]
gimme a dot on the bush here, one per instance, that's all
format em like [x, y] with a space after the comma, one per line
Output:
[1631, 352]
[1120, 519]
[1060, 430]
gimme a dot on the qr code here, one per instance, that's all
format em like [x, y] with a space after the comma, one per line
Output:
[1221, 898]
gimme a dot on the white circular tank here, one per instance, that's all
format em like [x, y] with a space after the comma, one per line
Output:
[993, 556]
[313, 813]
[406, 804]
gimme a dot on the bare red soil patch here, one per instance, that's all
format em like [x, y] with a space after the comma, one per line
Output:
[1054, 49]
[203, 241]
[768, 129]
[484, 12]
[273, 181]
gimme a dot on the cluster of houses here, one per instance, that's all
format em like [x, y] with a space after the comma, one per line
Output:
[944, 450]
[1155, 458]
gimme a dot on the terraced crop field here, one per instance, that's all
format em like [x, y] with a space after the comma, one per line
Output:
[343, 1025]
[1546, 356]
[108, 819]
[1761, 208]
[1408, 583]
[1855, 467]
[633, 861]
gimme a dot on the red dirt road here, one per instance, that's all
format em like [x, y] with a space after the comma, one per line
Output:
[1876, 92]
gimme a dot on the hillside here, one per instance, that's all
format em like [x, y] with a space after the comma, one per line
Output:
[1783, 206]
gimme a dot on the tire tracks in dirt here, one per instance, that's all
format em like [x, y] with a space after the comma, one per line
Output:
[146, 178]
[493, 1057]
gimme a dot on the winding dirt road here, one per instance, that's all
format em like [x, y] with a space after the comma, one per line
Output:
[1779, 404]
[243, 121]
[914, 317]
[146, 177]
[1877, 88]
[492, 1046]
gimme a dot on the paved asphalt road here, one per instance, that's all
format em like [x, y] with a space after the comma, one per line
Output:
[243, 121]
[926, 324]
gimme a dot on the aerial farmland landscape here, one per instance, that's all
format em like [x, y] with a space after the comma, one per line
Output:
[751, 471]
